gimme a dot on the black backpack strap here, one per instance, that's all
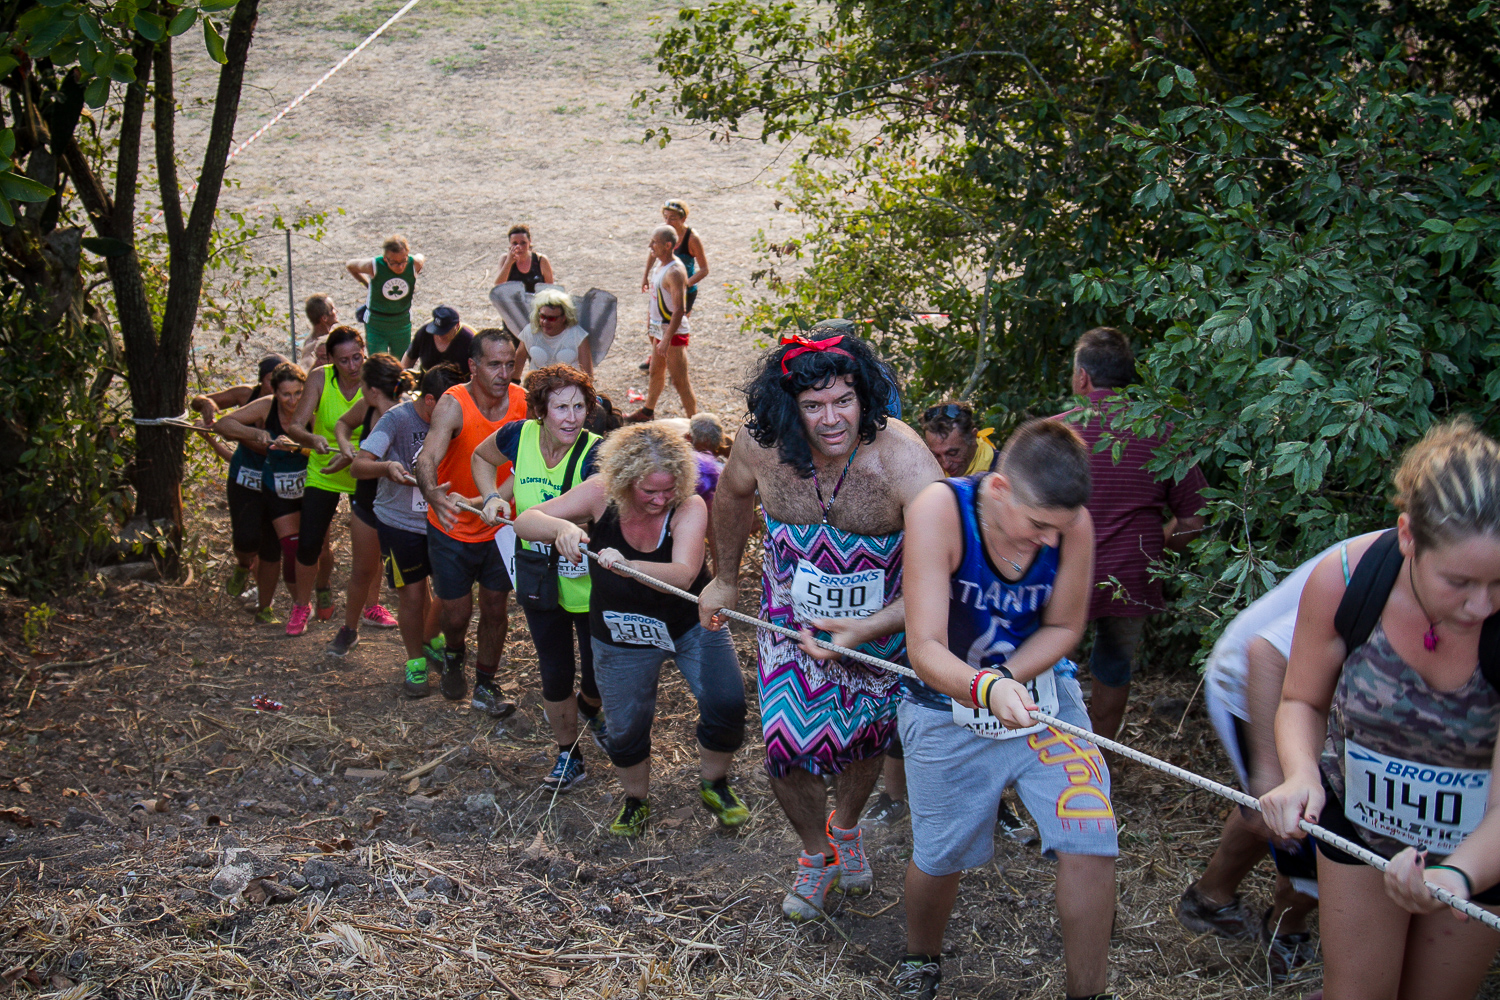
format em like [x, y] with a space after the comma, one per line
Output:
[1369, 588]
[579, 447]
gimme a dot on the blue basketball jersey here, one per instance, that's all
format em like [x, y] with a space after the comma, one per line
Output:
[988, 616]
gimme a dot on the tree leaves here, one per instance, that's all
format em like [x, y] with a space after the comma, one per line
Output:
[214, 41]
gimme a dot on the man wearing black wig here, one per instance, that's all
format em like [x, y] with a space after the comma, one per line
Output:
[834, 473]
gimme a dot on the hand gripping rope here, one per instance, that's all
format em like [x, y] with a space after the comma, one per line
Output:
[1463, 906]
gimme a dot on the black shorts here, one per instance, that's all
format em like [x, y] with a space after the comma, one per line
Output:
[365, 512]
[246, 514]
[318, 508]
[457, 566]
[279, 507]
[1334, 821]
[404, 554]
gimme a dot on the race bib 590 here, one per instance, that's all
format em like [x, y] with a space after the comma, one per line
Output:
[638, 630]
[1421, 805]
[816, 594]
[979, 721]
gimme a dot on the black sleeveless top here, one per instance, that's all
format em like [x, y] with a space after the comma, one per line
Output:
[609, 592]
[530, 278]
[365, 489]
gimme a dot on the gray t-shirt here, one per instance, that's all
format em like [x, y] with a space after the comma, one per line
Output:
[397, 437]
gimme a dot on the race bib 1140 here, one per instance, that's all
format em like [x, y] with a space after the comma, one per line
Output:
[816, 594]
[1423, 806]
[979, 721]
[638, 630]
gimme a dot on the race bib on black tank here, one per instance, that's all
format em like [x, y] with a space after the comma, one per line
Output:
[248, 478]
[1427, 807]
[289, 485]
[638, 630]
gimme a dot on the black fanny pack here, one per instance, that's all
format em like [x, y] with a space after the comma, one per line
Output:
[536, 570]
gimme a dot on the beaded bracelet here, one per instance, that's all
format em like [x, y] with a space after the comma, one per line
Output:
[1468, 882]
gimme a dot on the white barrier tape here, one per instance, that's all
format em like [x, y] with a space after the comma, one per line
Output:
[241, 147]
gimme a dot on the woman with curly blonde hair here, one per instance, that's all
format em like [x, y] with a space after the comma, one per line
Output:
[641, 513]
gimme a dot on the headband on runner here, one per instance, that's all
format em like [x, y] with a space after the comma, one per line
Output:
[805, 346]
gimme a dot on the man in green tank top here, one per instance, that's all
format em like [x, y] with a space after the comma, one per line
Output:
[392, 281]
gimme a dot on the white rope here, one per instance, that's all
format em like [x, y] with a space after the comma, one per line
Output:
[237, 150]
[1369, 857]
[181, 421]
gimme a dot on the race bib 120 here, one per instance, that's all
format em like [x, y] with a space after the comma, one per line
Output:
[248, 478]
[638, 630]
[1428, 807]
[979, 721]
[816, 594]
[290, 485]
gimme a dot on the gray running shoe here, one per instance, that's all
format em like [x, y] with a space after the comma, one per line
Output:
[346, 640]
[884, 813]
[1230, 920]
[1013, 826]
[917, 979]
[1285, 953]
[816, 874]
[487, 699]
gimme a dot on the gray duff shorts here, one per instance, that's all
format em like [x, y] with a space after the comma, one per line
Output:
[954, 781]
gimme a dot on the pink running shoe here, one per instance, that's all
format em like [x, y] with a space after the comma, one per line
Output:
[378, 616]
[297, 624]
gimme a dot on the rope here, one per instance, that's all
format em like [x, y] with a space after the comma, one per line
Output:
[1472, 910]
[237, 150]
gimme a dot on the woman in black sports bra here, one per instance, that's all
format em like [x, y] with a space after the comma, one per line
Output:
[522, 264]
[689, 250]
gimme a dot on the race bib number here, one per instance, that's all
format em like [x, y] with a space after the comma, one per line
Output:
[1432, 808]
[418, 501]
[979, 721]
[289, 485]
[248, 478]
[638, 630]
[816, 594]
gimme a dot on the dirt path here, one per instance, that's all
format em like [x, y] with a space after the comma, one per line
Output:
[159, 837]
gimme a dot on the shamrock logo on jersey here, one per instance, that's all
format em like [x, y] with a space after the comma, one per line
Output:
[395, 289]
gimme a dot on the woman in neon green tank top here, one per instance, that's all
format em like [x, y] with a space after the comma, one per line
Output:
[331, 391]
[551, 455]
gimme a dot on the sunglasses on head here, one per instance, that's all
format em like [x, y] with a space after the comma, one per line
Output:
[948, 411]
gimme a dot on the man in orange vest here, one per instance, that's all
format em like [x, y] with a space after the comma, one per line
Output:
[461, 547]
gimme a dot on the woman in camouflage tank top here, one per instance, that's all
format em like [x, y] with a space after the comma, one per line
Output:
[1393, 743]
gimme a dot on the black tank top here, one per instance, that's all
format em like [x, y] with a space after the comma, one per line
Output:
[364, 489]
[621, 601]
[684, 254]
[530, 278]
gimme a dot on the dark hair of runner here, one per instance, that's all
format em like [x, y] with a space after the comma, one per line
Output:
[519, 227]
[287, 372]
[489, 335]
[775, 421]
[942, 418]
[1105, 354]
[382, 371]
[438, 379]
[269, 364]
[1449, 484]
[541, 383]
[1047, 464]
[343, 334]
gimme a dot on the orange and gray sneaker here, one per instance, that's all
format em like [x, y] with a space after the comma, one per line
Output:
[297, 624]
[323, 597]
[855, 878]
[816, 874]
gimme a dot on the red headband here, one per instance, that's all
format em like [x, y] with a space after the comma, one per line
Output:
[805, 346]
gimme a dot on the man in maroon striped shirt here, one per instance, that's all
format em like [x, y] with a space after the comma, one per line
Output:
[1135, 517]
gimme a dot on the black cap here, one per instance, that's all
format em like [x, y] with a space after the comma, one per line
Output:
[444, 319]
